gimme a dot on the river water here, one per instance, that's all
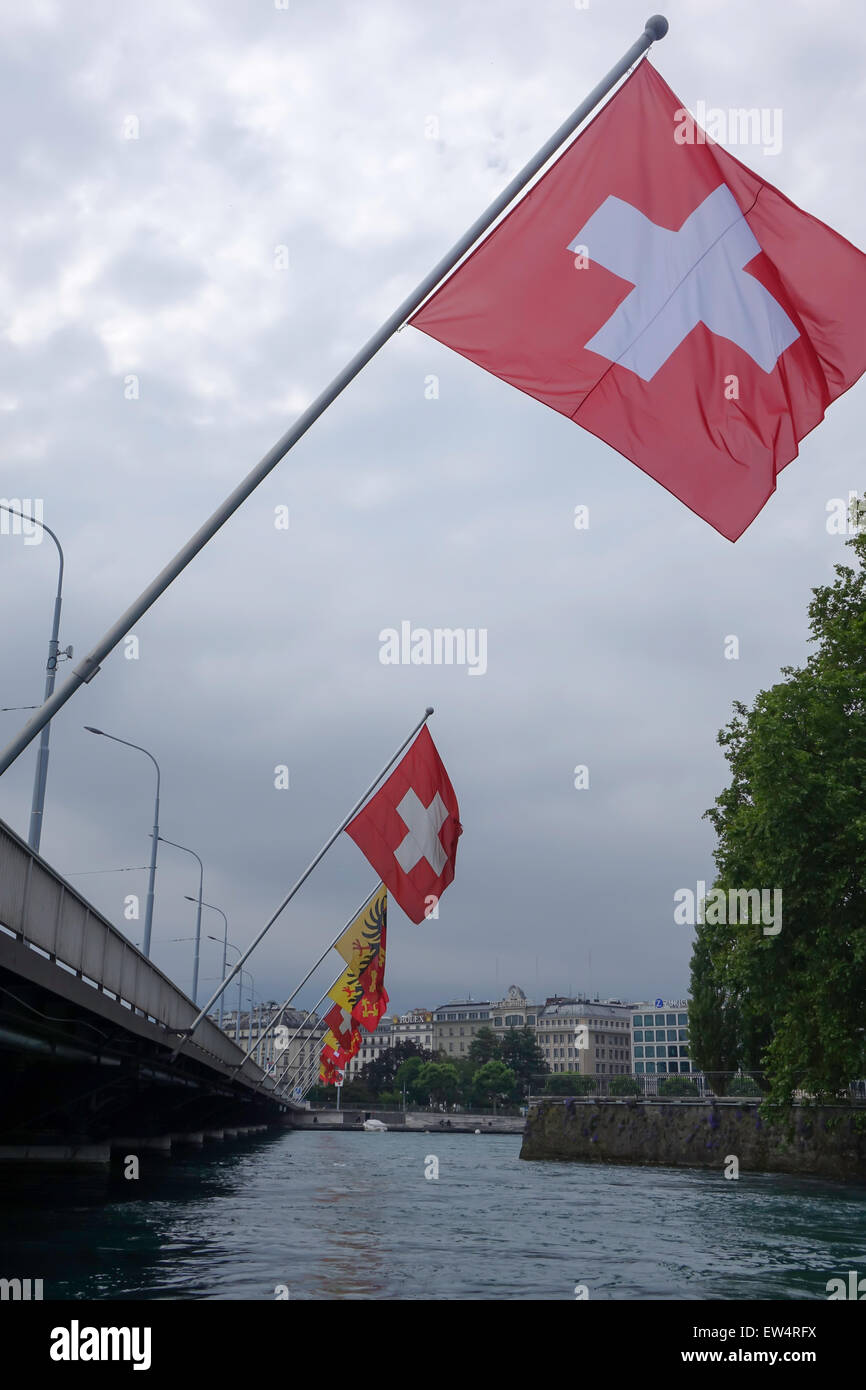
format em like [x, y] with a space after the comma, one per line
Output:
[333, 1216]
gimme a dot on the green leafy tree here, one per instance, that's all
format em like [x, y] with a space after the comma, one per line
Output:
[519, 1050]
[484, 1047]
[794, 818]
[438, 1081]
[624, 1086]
[381, 1073]
[495, 1083]
[356, 1092]
[569, 1083]
[677, 1086]
[407, 1075]
[743, 1086]
[715, 1025]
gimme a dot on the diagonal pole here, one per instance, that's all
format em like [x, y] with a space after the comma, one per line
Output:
[656, 27]
[299, 1029]
[297, 884]
[296, 991]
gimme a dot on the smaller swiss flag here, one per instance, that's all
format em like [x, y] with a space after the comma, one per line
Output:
[409, 829]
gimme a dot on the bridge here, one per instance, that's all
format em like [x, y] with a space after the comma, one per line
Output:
[88, 1029]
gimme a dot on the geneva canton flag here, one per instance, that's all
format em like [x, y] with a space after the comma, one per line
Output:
[663, 296]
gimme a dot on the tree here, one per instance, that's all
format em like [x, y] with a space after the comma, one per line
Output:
[624, 1086]
[794, 819]
[677, 1086]
[519, 1050]
[569, 1083]
[381, 1074]
[495, 1082]
[438, 1081]
[484, 1047]
[407, 1075]
[714, 1016]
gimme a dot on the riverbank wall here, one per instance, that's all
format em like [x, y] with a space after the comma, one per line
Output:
[419, 1121]
[822, 1141]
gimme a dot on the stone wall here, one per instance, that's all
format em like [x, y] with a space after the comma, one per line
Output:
[423, 1121]
[827, 1141]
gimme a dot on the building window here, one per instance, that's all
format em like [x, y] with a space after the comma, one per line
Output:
[638, 1035]
[683, 1020]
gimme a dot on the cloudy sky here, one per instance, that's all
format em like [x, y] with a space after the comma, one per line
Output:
[208, 207]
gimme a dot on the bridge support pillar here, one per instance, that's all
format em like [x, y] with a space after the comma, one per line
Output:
[56, 1155]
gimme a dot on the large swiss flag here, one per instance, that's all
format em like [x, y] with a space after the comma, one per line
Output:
[409, 829]
[669, 300]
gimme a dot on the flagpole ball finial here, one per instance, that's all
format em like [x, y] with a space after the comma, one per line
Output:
[428, 711]
[656, 26]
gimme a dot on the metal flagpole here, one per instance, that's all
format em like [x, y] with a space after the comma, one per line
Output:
[297, 884]
[300, 1027]
[656, 27]
[296, 991]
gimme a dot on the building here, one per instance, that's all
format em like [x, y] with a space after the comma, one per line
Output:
[660, 1039]
[299, 1054]
[586, 1036]
[455, 1025]
[416, 1026]
[292, 1048]
[513, 1011]
[372, 1046]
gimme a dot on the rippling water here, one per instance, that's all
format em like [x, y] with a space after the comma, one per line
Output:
[352, 1216]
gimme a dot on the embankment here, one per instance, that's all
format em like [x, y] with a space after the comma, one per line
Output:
[825, 1141]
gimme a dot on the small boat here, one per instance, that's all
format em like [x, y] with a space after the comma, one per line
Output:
[374, 1126]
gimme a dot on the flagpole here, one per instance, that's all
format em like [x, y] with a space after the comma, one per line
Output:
[300, 1027]
[261, 1037]
[297, 884]
[656, 27]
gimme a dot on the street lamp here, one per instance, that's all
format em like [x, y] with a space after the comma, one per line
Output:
[151, 878]
[240, 984]
[216, 938]
[198, 916]
[54, 655]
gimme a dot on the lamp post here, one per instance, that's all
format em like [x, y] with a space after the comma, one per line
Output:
[41, 775]
[198, 914]
[240, 983]
[216, 938]
[151, 877]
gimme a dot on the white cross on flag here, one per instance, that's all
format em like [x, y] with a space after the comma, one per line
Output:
[409, 830]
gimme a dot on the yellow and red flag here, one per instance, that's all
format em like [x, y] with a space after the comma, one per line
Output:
[372, 999]
[344, 1035]
[360, 941]
[346, 991]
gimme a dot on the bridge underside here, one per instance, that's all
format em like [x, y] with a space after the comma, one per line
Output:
[82, 1074]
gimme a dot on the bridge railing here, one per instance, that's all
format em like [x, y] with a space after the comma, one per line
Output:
[47, 913]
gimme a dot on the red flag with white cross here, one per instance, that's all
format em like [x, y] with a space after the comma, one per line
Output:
[659, 293]
[409, 829]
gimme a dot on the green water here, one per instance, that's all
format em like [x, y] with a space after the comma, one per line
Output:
[353, 1216]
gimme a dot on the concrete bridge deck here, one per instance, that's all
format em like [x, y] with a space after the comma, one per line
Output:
[88, 1025]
